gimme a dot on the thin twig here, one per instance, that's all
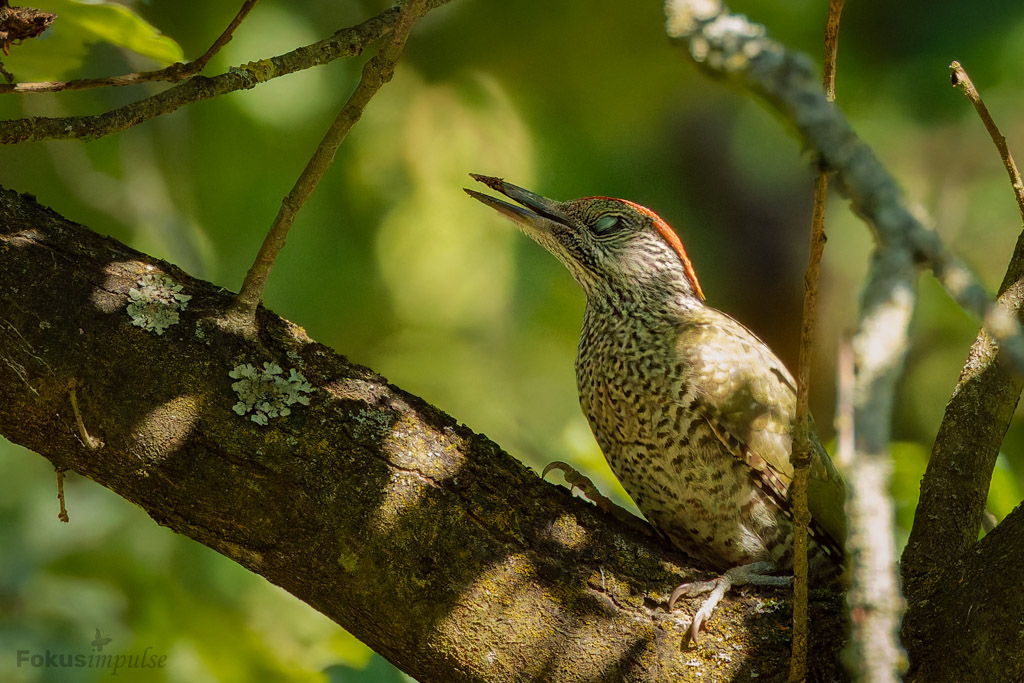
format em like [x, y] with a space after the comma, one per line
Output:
[376, 73]
[347, 42]
[961, 80]
[225, 37]
[802, 452]
[89, 441]
[174, 73]
[63, 514]
[835, 10]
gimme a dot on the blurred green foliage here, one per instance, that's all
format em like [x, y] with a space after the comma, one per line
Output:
[392, 265]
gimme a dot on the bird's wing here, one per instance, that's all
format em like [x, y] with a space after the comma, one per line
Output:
[748, 398]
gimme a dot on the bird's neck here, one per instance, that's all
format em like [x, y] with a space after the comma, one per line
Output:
[656, 305]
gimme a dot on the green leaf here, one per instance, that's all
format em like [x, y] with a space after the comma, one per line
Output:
[59, 52]
[116, 24]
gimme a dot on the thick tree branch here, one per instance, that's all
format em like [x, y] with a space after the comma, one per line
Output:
[967, 626]
[425, 540]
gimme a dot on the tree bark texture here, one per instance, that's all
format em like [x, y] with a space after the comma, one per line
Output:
[943, 545]
[422, 538]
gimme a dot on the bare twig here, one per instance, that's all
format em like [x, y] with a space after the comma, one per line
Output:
[346, 42]
[835, 10]
[224, 38]
[376, 73]
[89, 441]
[802, 440]
[173, 73]
[961, 80]
[63, 514]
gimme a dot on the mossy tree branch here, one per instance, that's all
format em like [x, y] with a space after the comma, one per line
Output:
[423, 539]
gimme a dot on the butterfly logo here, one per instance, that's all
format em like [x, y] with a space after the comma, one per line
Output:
[99, 641]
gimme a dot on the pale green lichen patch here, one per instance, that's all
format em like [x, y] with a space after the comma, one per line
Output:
[154, 305]
[266, 393]
[567, 531]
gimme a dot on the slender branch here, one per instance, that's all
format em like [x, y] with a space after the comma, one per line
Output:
[802, 438]
[879, 346]
[347, 42]
[845, 378]
[376, 72]
[224, 38]
[89, 441]
[173, 73]
[835, 10]
[63, 514]
[963, 81]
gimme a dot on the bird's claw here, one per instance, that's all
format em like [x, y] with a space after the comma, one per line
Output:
[754, 573]
[575, 480]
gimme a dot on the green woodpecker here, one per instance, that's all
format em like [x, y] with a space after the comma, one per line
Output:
[693, 412]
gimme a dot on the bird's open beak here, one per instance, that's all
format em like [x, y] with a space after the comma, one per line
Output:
[535, 211]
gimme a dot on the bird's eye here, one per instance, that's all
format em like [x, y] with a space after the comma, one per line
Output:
[606, 224]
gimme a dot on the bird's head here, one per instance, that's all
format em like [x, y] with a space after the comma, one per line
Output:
[612, 247]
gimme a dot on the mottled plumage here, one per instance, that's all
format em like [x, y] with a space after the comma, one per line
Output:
[691, 409]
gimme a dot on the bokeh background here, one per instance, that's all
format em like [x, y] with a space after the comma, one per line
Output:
[393, 266]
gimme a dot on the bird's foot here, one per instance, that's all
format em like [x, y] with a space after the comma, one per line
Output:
[755, 573]
[575, 480]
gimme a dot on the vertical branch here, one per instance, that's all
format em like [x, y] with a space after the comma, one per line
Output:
[802, 452]
[880, 347]
[63, 514]
[835, 9]
[844, 403]
[377, 71]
